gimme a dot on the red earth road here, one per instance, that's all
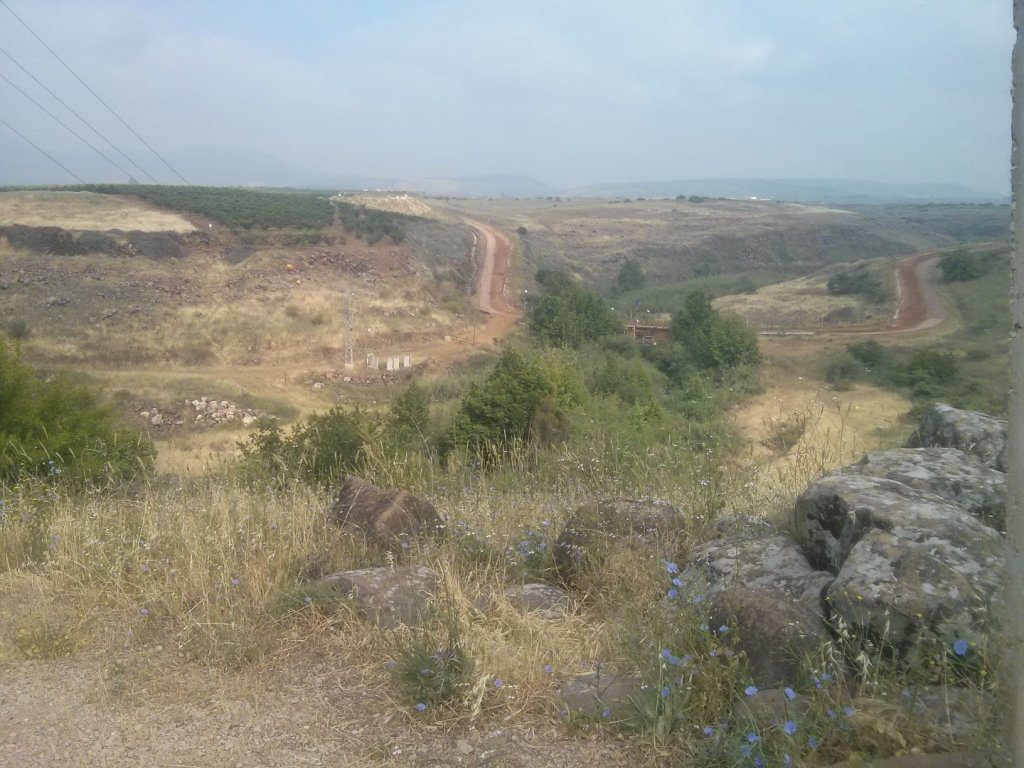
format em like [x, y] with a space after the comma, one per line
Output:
[496, 250]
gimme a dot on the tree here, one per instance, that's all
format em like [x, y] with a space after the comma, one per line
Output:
[961, 265]
[711, 340]
[499, 410]
[631, 277]
[410, 412]
[566, 315]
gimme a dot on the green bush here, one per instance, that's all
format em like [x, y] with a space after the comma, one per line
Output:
[870, 353]
[409, 415]
[631, 277]
[710, 340]
[566, 315]
[497, 412]
[18, 329]
[856, 281]
[961, 265]
[319, 450]
[843, 369]
[57, 427]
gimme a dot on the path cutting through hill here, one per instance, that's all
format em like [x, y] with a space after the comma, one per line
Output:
[492, 284]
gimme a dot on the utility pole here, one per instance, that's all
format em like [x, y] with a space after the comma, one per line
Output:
[350, 361]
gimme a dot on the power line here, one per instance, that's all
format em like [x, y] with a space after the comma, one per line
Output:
[71, 130]
[55, 160]
[100, 100]
[111, 144]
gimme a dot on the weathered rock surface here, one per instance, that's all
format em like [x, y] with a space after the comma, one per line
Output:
[975, 433]
[893, 586]
[543, 599]
[773, 565]
[391, 596]
[945, 472]
[597, 696]
[776, 633]
[599, 524]
[905, 560]
[836, 511]
[390, 518]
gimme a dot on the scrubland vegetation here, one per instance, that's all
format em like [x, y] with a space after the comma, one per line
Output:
[218, 569]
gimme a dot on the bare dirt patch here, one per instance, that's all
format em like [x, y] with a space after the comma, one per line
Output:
[86, 211]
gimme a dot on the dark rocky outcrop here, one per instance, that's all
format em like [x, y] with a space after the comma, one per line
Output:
[386, 517]
[600, 524]
[982, 436]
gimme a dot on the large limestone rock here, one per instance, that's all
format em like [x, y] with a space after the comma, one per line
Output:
[945, 472]
[391, 596]
[969, 431]
[387, 517]
[905, 560]
[600, 524]
[837, 510]
[772, 565]
[544, 600]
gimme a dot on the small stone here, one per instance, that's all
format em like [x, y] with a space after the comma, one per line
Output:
[157, 420]
[464, 746]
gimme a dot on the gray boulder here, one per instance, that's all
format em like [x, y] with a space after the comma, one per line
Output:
[600, 524]
[773, 565]
[893, 587]
[389, 597]
[835, 512]
[598, 696]
[946, 472]
[944, 426]
[543, 599]
[389, 518]
[777, 634]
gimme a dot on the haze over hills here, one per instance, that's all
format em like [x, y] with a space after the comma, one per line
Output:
[234, 166]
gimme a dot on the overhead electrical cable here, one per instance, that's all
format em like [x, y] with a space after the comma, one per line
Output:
[66, 106]
[67, 127]
[98, 98]
[43, 151]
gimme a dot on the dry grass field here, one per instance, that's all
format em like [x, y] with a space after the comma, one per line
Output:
[87, 211]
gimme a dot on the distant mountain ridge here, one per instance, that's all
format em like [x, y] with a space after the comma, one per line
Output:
[224, 166]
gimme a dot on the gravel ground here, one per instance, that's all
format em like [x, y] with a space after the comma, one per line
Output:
[74, 712]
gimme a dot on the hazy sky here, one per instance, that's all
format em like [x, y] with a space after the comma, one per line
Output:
[568, 92]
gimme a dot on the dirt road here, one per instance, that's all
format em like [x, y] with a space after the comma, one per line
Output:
[918, 304]
[495, 249]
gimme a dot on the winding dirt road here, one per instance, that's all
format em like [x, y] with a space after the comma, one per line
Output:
[918, 304]
[492, 284]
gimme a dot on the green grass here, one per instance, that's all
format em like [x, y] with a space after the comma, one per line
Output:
[672, 296]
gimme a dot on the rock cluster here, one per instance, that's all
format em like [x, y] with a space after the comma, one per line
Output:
[212, 412]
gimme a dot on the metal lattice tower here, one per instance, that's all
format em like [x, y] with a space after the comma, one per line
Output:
[350, 361]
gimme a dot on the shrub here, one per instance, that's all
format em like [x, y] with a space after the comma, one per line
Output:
[843, 369]
[57, 427]
[566, 315]
[631, 277]
[856, 281]
[409, 417]
[18, 329]
[498, 411]
[870, 353]
[319, 450]
[961, 265]
[711, 340]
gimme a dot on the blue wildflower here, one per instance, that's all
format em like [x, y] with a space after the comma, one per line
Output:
[789, 727]
[666, 653]
[960, 647]
[709, 730]
[812, 743]
[753, 738]
[848, 711]
[421, 707]
[790, 693]
[723, 629]
[745, 750]
[606, 714]
[670, 567]
[831, 713]
[758, 762]
[498, 682]
[677, 582]
[665, 692]
[548, 669]
[750, 690]
[673, 594]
